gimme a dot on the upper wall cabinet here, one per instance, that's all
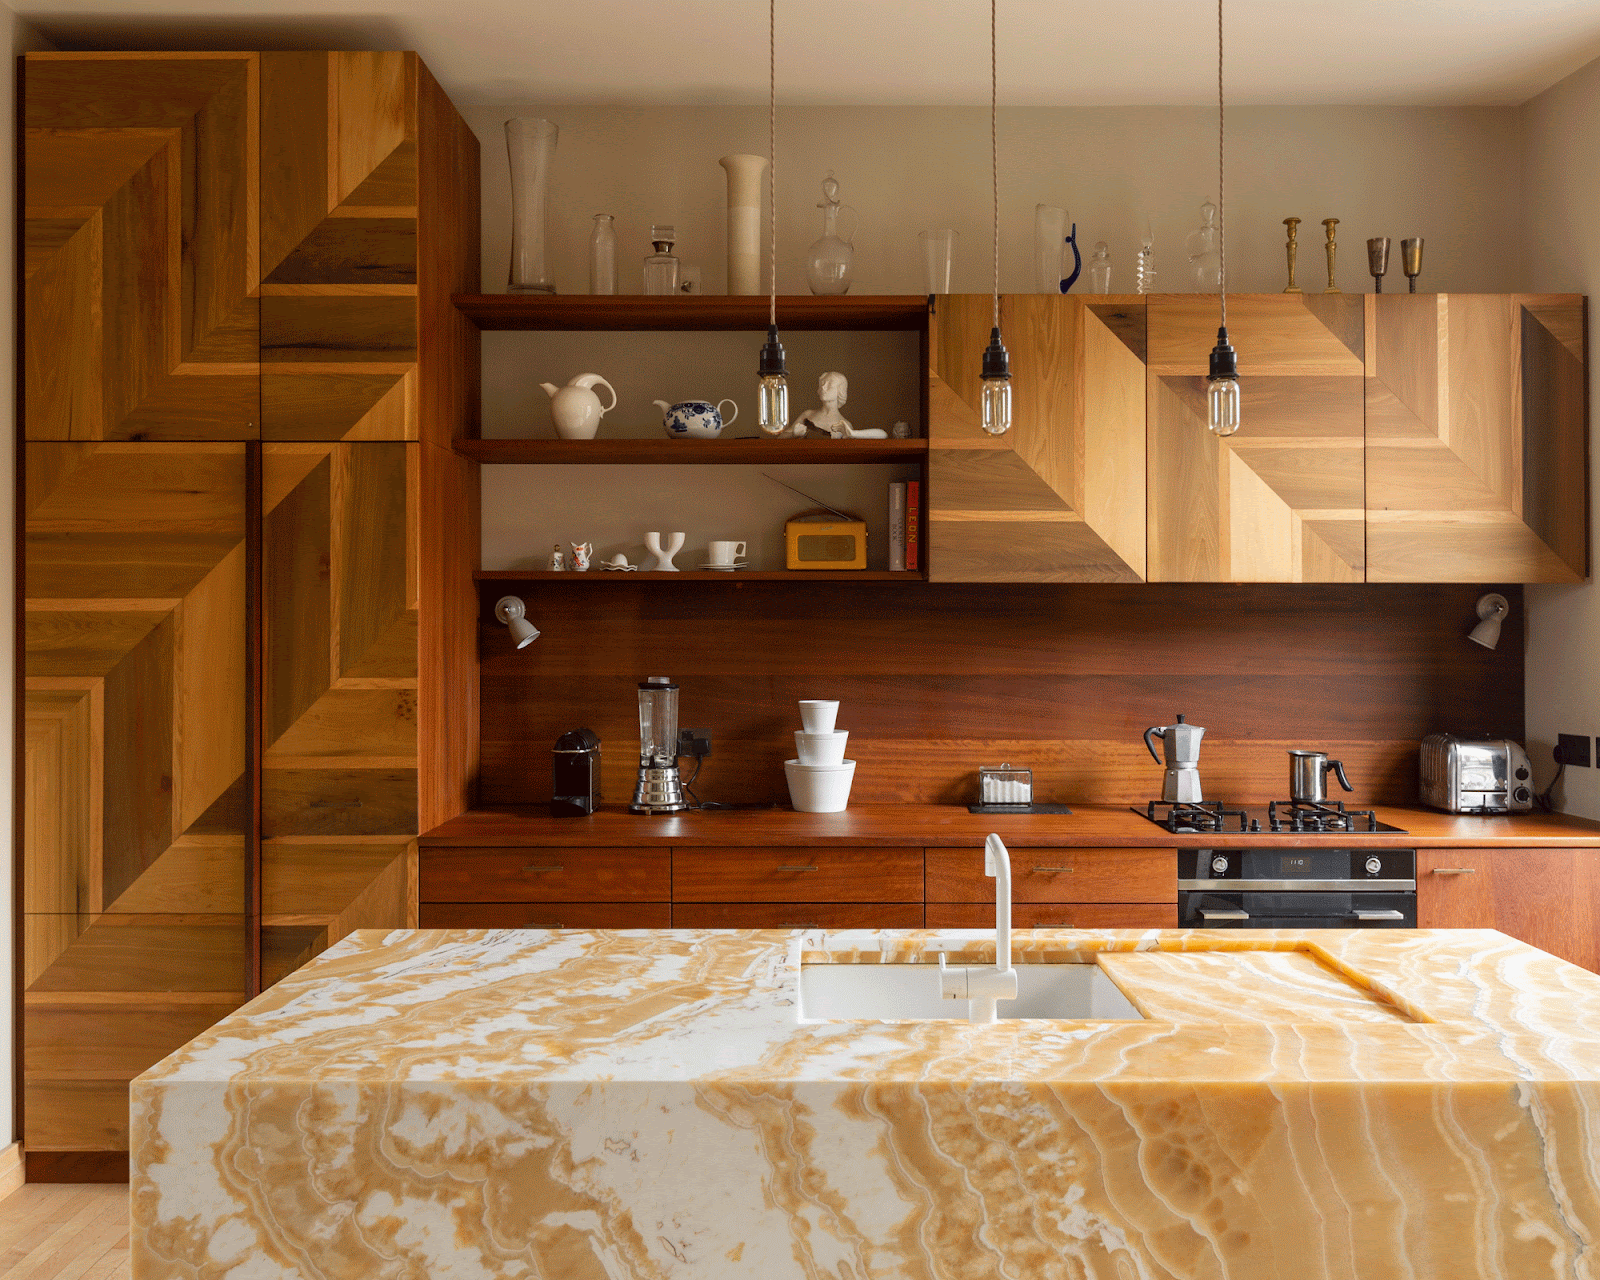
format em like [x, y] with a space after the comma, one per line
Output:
[139, 246]
[1477, 438]
[1060, 497]
[1281, 501]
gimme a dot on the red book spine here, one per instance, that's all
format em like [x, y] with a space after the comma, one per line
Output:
[913, 524]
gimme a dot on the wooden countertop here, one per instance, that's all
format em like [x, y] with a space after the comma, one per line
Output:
[1091, 826]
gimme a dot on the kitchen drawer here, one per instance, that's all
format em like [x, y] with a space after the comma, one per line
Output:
[1058, 875]
[1055, 915]
[545, 915]
[797, 875]
[545, 875]
[797, 915]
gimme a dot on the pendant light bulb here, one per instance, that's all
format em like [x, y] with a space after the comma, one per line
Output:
[996, 392]
[1222, 387]
[774, 386]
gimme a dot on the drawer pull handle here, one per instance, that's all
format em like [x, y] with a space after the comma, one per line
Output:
[1454, 871]
[1211, 913]
[809, 866]
[541, 866]
[1379, 915]
[1050, 871]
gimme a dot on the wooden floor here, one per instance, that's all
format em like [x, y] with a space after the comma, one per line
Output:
[64, 1231]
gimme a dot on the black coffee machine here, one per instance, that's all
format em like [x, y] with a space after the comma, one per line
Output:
[577, 775]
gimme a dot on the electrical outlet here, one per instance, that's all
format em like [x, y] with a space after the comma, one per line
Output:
[1573, 749]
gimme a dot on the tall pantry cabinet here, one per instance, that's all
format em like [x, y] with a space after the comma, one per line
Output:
[244, 531]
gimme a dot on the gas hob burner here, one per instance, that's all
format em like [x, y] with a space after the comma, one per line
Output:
[1300, 815]
[1199, 816]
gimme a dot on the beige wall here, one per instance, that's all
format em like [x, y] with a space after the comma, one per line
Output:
[1562, 186]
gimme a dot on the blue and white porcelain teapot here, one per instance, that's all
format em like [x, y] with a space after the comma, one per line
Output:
[695, 419]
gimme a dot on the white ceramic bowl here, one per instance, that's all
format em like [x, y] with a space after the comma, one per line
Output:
[819, 788]
[818, 715]
[820, 748]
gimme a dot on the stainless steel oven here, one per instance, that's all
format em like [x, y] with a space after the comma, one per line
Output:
[1305, 888]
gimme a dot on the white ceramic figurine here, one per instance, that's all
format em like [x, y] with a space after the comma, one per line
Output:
[833, 390]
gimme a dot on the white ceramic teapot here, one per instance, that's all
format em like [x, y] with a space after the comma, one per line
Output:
[695, 419]
[575, 408]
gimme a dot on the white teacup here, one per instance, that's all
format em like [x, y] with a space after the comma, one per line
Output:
[820, 748]
[818, 714]
[727, 552]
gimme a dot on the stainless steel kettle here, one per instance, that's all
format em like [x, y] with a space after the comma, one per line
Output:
[1308, 776]
[1181, 746]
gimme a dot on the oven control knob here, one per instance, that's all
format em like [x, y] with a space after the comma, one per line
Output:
[1522, 795]
[1219, 864]
[1374, 866]
[1522, 773]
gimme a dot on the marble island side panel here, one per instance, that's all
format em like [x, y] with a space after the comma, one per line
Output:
[542, 1105]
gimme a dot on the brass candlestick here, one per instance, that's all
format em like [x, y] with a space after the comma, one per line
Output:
[1292, 248]
[1411, 260]
[1333, 253]
[1378, 261]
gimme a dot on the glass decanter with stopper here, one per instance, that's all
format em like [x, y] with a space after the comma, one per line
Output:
[1205, 253]
[661, 267]
[830, 257]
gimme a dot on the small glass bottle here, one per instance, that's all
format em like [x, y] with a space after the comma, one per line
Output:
[661, 267]
[1205, 254]
[829, 259]
[1145, 273]
[603, 254]
[1100, 268]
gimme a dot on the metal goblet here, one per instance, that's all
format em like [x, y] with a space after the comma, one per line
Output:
[1378, 261]
[1411, 259]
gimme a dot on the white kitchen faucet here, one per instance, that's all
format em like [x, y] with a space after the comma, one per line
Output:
[982, 985]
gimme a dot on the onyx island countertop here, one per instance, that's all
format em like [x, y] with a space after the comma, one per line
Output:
[648, 1105]
[1088, 826]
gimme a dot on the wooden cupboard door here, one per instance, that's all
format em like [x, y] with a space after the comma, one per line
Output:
[1282, 500]
[1455, 889]
[546, 875]
[136, 792]
[545, 915]
[1060, 497]
[1477, 434]
[830, 874]
[1057, 875]
[339, 694]
[139, 246]
[1550, 899]
[797, 915]
[339, 246]
[1055, 915]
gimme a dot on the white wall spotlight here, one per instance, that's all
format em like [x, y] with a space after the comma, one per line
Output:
[1492, 611]
[511, 611]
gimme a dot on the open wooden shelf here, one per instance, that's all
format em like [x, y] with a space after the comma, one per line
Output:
[624, 311]
[742, 452]
[706, 575]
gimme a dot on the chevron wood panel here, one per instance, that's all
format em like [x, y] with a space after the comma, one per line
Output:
[135, 787]
[1060, 497]
[1283, 500]
[139, 246]
[339, 693]
[1477, 437]
[339, 195]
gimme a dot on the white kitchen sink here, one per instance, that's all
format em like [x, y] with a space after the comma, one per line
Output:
[891, 992]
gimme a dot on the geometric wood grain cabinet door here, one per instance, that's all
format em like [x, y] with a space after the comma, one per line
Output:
[136, 795]
[140, 303]
[339, 246]
[1061, 496]
[339, 694]
[1477, 438]
[1282, 500]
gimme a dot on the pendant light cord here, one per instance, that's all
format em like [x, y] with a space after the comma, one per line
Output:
[772, 158]
[1222, 199]
[994, 151]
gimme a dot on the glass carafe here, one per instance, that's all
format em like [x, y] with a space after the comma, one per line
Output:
[1205, 252]
[661, 267]
[830, 257]
[658, 723]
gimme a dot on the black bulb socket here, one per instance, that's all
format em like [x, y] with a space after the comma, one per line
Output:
[1224, 360]
[772, 356]
[996, 363]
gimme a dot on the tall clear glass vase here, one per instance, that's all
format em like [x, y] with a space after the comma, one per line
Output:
[530, 146]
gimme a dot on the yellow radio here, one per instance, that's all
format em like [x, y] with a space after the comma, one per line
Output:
[819, 539]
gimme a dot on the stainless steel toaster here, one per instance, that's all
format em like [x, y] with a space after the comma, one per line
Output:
[1467, 775]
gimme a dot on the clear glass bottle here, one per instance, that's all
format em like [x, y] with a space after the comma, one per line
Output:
[1100, 268]
[530, 148]
[1205, 254]
[1145, 273]
[1049, 235]
[661, 267]
[831, 255]
[603, 254]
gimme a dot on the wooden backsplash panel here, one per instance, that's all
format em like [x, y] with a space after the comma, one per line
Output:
[935, 680]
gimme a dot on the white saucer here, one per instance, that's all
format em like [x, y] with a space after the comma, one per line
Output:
[727, 568]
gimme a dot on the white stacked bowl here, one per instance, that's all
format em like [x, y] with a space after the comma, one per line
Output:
[818, 714]
[819, 788]
[820, 748]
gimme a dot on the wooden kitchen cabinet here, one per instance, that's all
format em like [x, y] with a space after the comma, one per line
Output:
[545, 915]
[1061, 496]
[1055, 915]
[1283, 500]
[1058, 875]
[797, 915]
[1477, 438]
[1548, 898]
[797, 875]
[547, 875]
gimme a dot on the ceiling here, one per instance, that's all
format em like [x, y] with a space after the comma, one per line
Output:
[913, 52]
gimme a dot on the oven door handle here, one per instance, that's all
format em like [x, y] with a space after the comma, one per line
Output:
[1209, 913]
[1379, 915]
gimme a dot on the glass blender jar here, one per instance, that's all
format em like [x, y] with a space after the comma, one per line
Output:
[659, 788]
